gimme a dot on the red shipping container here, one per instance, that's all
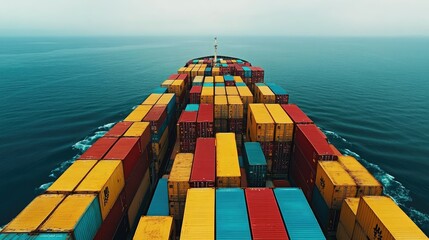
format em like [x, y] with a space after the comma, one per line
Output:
[109, 226]
[282, 99]
[221, 125]
[299, 181]
[205, 121]
[187, 125]
[187, 145]
[118, 130]
[296, 114]
[281, 183]
[235, 125]
[128, 151]
[133, 182]
[99, 148]
[305, 167]
[335, 150]
[314, 147]
[243, 178]
[195, 94]
[173, 76]
[203, 172]
[156, 116]
[267, 148]
[264, 216]
[184, 77]
[281, 156]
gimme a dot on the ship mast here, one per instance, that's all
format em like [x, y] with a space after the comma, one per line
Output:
[215, 50]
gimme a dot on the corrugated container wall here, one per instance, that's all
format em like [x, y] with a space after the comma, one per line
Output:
[348, 215]
[227, 165]
[159, 203]
[178, 181]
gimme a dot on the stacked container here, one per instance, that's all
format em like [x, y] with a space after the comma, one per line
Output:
[205, 121]
[227, 165]
[281, 96]
[235, 116]
[187, 131]
[221, 112]
[204, 166]
[155, 227]
[282, 145]
[347, 218]
[159, 205]
[263, 94]
[255, 164]
[178, 183]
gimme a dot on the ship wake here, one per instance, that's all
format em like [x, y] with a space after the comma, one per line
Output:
[81, 147]
[391, 187]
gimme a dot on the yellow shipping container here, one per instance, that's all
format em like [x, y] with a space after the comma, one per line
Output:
[138, 198]
[68, 213]
[199, 218]
[177, 87]
[34, 214]
[334, 183]
[231, 91]
[165, 99]
[220, 91]
[207, 95]
[215, 71]
[138, 129]
[155, 228]
[198, 80]
[366, 183]
[348, 214]
[176, 209]
[138, 113]
[380, 217]
[284, 125]
[235, 107]
[260, 125]
[245, 95]
[264, 94]
[106, 176]
[152, 99]
[167, 83]
[209, 79]
[358, 233]
[178, 181]
[69, 180]
[223, 61]
[181, 70]
[157, 147]
[194, 71]
[341, 233]
[219, 79]
[227, 165]
[238, 79]
[189, 69]
[201, 71]
[191, 65]
[221, 107]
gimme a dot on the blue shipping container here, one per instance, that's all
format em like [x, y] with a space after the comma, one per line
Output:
[260, 84]
[255, 164]
[159, 90]
[276, 89]
[328, 218]
[228, 78]
[208, 71]
[240, 84]
[247, 72]
[300, 221]
[231, 214]
[208, 84]
[224, 65]
[192, 107]
[219, 84]
[159, 204]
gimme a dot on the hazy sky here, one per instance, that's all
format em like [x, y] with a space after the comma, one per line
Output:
[217, 17]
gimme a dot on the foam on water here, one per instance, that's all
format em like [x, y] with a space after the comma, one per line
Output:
[391, 187]
[81, 147]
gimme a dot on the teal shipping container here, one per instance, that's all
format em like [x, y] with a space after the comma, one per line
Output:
[240, 84]
[255, 164]
[159, 90]
[328, 218]
[192, 107]
[231, 214]
[300, 221]
[159, 204]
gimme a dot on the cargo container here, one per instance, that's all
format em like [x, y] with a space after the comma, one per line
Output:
[209, 79]
[107, 180]
[231, 91]
[70, 179]
[221, 107]
[133, 182]
[128, 151]
[159, 147]
[328, 218]
[281, 96]
[139, 130]
[138, 113]
[34, 214]
[243, 178]
[341, 233]
[366, 183]
[358, 233]
[137, 201]
[198, 81]
[187, 131]
[227, 166]
[245, 95]
[229, 80]
[205, 121]
[296, 114]
[207, 95]
[282, 152]
[381, 218]
[177, 87]
[99, 149]
[204, 166]
[155, 228]
[283, 131]
[255, 164]
[157, 117]
[114, 223]
[219, 91]
[118, 129]
[237, 79]
[335, 150]
[168, 99]
[264, 94]
[176, 209]
[159, 204]
[235, 107]
[167, 84]
[231, 214]
[151, 99]
[334, 183]
[199, 216]
[264, 216]
[195, 94]
[173, 76]
[298, 217]
[260, 125]
[178, 181]
[347, 218]
[192, 107]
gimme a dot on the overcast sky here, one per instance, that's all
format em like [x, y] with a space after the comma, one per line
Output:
[217, 17]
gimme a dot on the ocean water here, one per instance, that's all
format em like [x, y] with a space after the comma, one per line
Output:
[58, 95]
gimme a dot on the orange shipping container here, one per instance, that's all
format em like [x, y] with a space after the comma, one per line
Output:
[178, 181]
[231, 91]
[177, 87]
[221, 107]
[283, 124]
[260, 125]
[235, 107]
[207, 95]
[220, 91]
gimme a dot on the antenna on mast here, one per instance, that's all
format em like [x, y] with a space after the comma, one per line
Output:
[215, 50]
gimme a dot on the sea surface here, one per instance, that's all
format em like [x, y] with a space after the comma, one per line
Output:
[59, 94]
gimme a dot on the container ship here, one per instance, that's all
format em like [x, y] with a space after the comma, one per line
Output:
[214, 152]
